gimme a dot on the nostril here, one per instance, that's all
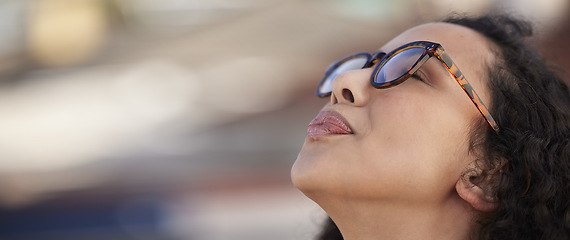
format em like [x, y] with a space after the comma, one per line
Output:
[347, 94]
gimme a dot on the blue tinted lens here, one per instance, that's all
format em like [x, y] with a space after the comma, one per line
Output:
[398, 65]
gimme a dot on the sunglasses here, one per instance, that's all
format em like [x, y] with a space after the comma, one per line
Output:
[397, 66]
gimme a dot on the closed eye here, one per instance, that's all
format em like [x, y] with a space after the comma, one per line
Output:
[419, 75]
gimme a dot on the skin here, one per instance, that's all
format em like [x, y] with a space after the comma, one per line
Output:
[397, 176]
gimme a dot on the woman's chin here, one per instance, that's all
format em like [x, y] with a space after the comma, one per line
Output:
[306, 173]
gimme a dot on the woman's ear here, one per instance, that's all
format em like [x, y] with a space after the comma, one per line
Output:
[476, 191]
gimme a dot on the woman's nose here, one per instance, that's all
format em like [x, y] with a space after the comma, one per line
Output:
[352, 87]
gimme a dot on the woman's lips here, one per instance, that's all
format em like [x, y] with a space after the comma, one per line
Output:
[328, 123]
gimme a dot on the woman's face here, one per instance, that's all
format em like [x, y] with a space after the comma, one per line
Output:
[408, 143]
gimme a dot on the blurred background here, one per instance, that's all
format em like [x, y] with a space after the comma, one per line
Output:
[180, 119]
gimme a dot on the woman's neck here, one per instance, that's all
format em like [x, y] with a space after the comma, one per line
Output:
[373, 220]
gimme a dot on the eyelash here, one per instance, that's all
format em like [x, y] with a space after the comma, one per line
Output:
[417, 76]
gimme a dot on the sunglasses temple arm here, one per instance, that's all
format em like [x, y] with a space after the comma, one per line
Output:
[466, 86]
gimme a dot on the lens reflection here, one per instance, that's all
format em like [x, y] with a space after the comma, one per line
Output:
[398, 65]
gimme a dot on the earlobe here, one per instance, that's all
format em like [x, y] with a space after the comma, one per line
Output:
[475, 195]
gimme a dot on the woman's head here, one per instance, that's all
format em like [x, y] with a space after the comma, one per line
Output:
[409, 139]
[423, 146]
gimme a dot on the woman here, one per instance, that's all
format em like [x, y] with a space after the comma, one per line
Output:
[452, 130]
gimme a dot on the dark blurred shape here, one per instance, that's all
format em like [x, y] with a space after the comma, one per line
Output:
[86, 214]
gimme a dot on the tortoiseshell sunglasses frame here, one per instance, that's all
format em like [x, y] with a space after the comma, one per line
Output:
[431, 49]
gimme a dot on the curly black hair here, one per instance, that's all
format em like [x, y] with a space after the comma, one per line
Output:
[530, 156]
